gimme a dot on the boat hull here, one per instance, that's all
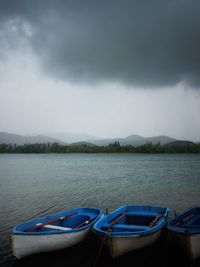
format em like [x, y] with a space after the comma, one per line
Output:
[26, 245]
[119, 245]
[189, 243]
[184, 229]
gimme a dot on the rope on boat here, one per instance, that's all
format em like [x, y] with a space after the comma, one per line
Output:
[101, 247]
[109, 231]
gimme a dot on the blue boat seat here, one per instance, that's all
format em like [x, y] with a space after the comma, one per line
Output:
[125, 227]
[145, 214]
[133, 226]
[193, 221]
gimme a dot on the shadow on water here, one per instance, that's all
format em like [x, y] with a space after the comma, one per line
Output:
[161, 254]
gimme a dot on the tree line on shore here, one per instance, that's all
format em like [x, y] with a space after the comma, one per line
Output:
[148, 148]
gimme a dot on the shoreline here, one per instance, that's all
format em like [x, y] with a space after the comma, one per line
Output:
[148, 148]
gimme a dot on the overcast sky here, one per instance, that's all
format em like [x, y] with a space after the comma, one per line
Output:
[109, 68]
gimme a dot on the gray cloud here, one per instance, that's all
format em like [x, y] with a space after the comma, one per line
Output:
[141, 43]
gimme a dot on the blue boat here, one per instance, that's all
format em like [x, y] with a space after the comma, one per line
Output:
[54, 232]
[131, 227]
[184, 229]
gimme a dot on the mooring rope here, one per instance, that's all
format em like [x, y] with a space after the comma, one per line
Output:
[109, 231]
[101, 247]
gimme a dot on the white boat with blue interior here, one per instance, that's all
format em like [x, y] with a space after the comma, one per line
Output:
[54, 232]
[131, 227]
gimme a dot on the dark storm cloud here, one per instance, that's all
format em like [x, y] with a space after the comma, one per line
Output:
[142, 43]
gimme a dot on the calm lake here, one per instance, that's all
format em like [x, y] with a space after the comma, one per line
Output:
[40, 184]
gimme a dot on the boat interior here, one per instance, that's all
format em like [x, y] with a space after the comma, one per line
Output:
[132, 222]
[61, 222]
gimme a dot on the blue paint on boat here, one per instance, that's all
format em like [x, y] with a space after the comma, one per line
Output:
[133, 220]
[187, 222]
[78, 220]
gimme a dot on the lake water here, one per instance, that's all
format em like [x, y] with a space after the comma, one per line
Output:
[40, 184]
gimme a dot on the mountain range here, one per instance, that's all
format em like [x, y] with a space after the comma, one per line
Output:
[9, 138]
[135, 140]
[78, 139]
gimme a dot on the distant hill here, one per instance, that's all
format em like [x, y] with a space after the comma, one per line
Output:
[83, 144]
[180, 143]
[135, 140]
[73, 137]
[8, 138]
[162, 139]
[135, 137]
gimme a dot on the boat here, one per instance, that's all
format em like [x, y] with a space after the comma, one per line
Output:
[184, 230]
[131, 227]
[53, 232]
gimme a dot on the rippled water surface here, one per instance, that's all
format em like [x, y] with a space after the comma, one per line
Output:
[35, 185]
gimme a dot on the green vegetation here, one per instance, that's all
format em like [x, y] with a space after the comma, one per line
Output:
[148, 148]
